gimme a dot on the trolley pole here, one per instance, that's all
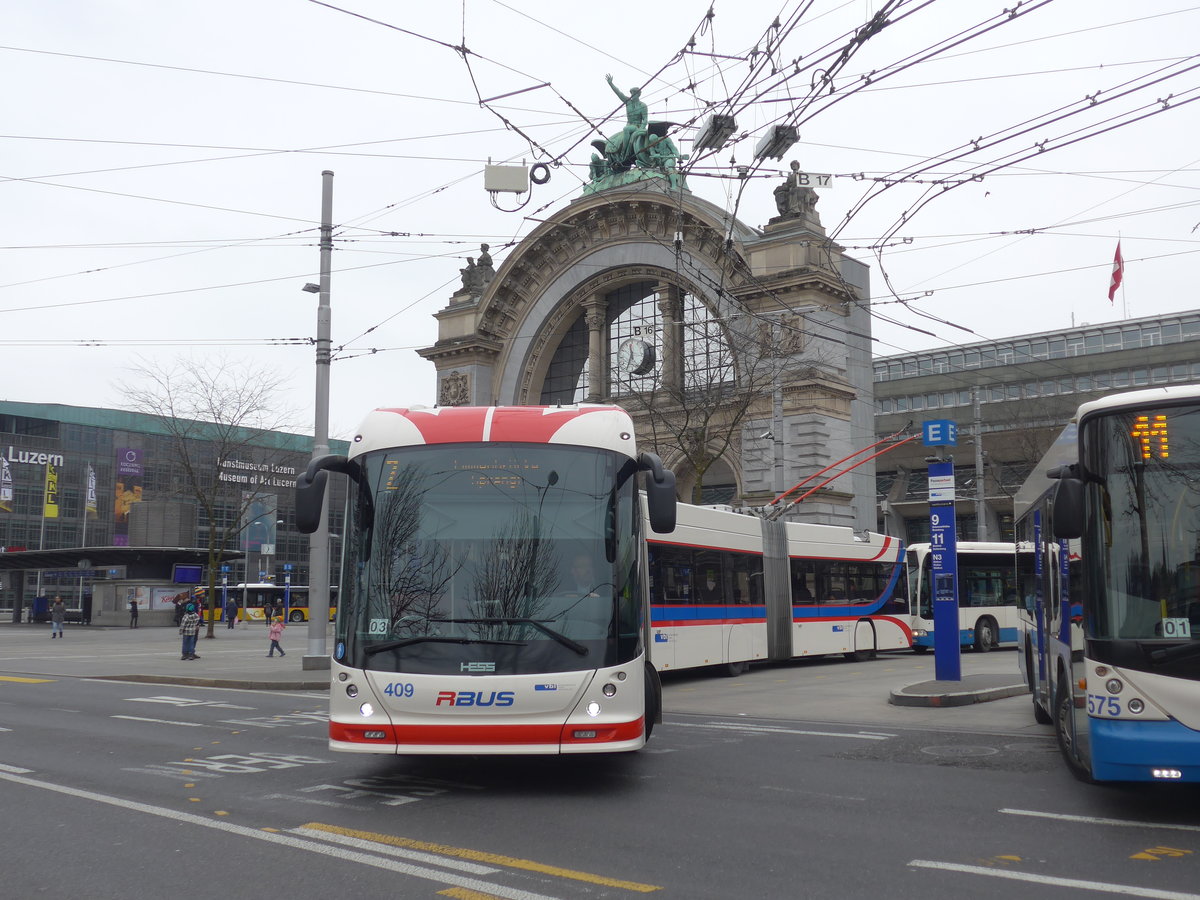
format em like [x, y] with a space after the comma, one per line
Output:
[318, 542]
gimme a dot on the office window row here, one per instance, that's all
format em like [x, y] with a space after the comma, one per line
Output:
[1127, 336]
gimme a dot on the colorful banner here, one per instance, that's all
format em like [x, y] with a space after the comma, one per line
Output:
[6, 486]
[127, 491]
[90, 505]
[50, 502]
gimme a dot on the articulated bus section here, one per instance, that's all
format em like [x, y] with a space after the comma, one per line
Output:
[728, 589]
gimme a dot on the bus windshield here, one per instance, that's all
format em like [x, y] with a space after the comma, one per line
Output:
[1143, 469]
[492, 558]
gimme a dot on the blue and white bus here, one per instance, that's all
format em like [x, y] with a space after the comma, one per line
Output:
[989, 588]
[1113, 653]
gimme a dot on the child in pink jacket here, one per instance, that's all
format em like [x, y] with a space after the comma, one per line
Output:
[275, 632]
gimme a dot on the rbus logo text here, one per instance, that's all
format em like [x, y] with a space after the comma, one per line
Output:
[474, 698]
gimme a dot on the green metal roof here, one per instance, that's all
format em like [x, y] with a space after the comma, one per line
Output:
[142, 423]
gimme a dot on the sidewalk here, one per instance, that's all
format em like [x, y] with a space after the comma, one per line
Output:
[829, 688]
[232, 658]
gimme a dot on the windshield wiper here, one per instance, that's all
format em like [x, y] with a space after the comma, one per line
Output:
[535, 623]
[1179, 651]
[396, 645]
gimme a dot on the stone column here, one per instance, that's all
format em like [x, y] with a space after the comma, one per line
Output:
[595, 315]
[670, 314]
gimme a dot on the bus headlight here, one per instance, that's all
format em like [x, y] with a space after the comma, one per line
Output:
[367, 710]
[1113, 685]
[593, 709]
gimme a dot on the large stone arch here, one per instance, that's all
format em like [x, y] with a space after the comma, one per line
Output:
[499, 333]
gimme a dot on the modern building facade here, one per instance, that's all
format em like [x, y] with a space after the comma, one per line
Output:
[1010, 398]
[74, 477]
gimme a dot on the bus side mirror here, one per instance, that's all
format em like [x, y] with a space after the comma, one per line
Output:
[660, 493]
[1068, 507]
[310, 489]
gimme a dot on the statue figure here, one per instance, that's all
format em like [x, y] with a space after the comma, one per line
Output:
[641, 144]
[485, 258]
[637, 117]
[468, 274]
[794, 198]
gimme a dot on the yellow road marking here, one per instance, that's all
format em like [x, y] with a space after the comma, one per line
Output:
[25, 680]
[482, 856]
[464, 894]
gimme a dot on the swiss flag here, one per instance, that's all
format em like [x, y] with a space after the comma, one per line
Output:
[1118, 273]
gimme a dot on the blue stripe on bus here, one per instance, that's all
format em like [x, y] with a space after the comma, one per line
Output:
[719, 611]
[966, 637]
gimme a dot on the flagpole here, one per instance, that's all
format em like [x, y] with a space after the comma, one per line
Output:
[83, 528]
[42, 531]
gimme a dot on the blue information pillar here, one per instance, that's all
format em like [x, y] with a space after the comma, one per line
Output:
[943, 552]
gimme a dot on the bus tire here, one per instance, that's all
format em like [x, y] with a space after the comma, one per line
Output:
[651, 705]
[296, 616]
[985, 634]
[734, 669]
[919, 648]
[1064, 714]
[866, 652]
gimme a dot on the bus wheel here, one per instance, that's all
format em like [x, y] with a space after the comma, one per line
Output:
[651, 708]
[1064, 729]
[919, 648]
[297, 616]
[734, 669]
[985, 635]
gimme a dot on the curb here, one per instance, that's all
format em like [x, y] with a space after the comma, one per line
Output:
[914, 695]
[195, 681]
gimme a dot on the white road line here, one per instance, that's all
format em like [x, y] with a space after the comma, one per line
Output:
[767, 729]
[1105, 887]
[161, 721]
[376, 847]
[16, 770]
[1093, 820]
[284, 840]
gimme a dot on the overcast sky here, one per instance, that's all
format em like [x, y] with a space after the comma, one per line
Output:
[162, 165]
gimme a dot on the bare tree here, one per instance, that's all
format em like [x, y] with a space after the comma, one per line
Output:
[214, 412]
[725, 375]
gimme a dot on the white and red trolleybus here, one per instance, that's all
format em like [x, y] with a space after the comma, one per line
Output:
[506, 591]
[728, 589]
[494, 597]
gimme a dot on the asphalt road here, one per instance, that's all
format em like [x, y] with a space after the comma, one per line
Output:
[798, 780]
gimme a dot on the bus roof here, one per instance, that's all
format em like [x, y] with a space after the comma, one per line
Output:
[1062, 452]
[584, 425]
[1148, 397]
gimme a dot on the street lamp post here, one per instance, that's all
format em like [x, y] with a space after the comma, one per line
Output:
[318, 542]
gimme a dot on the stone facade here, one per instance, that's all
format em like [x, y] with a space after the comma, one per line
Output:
[787, 303]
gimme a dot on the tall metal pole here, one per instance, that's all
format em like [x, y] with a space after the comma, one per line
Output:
[981, 526]
[318, 542]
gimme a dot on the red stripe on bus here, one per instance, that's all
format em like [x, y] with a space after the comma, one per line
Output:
[465, 424]
[484, 735]
[687, 623]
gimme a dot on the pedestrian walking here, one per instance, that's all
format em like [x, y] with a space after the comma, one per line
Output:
[189, 627]
[231, 609]
[133, 612]
[275, 632]
[58, 615]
